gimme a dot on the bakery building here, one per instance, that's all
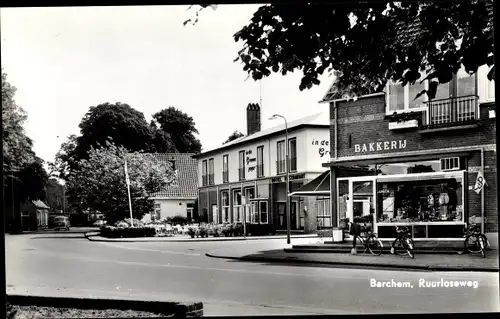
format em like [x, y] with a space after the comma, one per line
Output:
[245, 179]
[433, 162]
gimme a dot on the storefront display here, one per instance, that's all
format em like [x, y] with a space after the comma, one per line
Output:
[430, 204]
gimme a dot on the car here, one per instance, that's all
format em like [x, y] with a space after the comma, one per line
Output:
[61, 222]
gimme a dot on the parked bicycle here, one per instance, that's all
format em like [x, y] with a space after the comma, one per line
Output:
[475, 242]
[368, 240]
[403, 244]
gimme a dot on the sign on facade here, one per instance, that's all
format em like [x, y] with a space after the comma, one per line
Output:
[282, 179]
[480, 182]
[380, 146]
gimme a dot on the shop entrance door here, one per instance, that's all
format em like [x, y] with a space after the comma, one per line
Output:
[281, 208]
[361, 199]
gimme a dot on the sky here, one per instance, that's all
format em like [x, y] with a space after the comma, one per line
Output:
[64, 60]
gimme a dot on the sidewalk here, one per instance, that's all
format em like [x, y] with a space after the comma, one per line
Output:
[430, 262]
[94, 236]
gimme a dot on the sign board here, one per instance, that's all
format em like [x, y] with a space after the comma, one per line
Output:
[480, 182]
[282, 179]
[380, 146]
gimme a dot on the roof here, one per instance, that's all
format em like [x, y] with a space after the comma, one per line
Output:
[186, 185]
[318, 119]
[40, 204]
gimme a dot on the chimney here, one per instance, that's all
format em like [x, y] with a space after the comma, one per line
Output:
[253, 118]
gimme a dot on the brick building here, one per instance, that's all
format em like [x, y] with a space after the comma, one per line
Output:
[426, 157]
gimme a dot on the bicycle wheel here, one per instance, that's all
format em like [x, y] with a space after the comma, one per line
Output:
[482, 244]
[375, 245]
[409, 247]
[472, 244]
[399, 247]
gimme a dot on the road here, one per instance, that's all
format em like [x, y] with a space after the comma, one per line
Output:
[50, 264]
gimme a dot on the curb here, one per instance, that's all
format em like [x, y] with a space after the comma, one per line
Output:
[185, 240]
[344, 250]
[343, 263]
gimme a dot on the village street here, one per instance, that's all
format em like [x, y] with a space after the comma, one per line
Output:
[70, 265]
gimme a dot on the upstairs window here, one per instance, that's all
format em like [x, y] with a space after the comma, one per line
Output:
[402, 98]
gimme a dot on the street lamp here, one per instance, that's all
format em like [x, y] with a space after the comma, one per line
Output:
[275, 116]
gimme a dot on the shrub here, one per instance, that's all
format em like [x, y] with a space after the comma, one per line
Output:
[238, 229]
[227, 230]
[178, 219]
[127, 232]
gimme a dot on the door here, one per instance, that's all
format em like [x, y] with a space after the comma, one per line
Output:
[361, 197]
[294, 219]
[281, 208]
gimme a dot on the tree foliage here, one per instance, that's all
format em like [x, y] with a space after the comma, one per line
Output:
[25, 176]
[233, 136]
[181, 129]
[56, 195]
[99, 183]
[17, 146]
[365, 44]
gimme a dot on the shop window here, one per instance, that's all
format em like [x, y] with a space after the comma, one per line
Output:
[427, 198]
[449, 164]
[408, 167]
[324, 217]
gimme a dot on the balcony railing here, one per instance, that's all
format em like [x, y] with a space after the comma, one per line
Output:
[204, 180]
[225, 176]
[260, 170]
[454, 110]
[241, 174]
[210, 179]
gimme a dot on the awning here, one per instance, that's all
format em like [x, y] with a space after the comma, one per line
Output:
[320, 186]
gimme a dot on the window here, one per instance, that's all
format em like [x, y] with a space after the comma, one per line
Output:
[225, 206]
[402, 99]
[263, 212]
[449, 164]
[157, 213]
[241, 169]
[292, 144]
[490, 94]
[204, 173]
[260, 161]
[237, 210]
[324, 217]
[225, 168]
[211, 171]
[410, 198]
[249, 194]
[281, 156]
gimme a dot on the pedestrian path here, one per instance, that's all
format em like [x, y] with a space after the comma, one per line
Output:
[436, 262]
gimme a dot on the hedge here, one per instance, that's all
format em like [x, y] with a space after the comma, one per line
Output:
[130, 232]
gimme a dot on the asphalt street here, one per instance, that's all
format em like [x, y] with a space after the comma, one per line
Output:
[68, 264]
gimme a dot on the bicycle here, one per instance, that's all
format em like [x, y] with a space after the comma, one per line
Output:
[403, 242]
[370, 241]
[475, 241]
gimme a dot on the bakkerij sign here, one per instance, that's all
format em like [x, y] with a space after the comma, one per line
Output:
[380, 146]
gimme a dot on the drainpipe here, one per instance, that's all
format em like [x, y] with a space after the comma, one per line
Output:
[336, 129]
[482, 191]
[333, 172]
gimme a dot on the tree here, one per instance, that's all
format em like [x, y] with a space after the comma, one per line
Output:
[117, 123]
[56, 195]
[24, 175]
[365, 44]
[99, 182]
[233, 136]
[17, 147]
[181, 129]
